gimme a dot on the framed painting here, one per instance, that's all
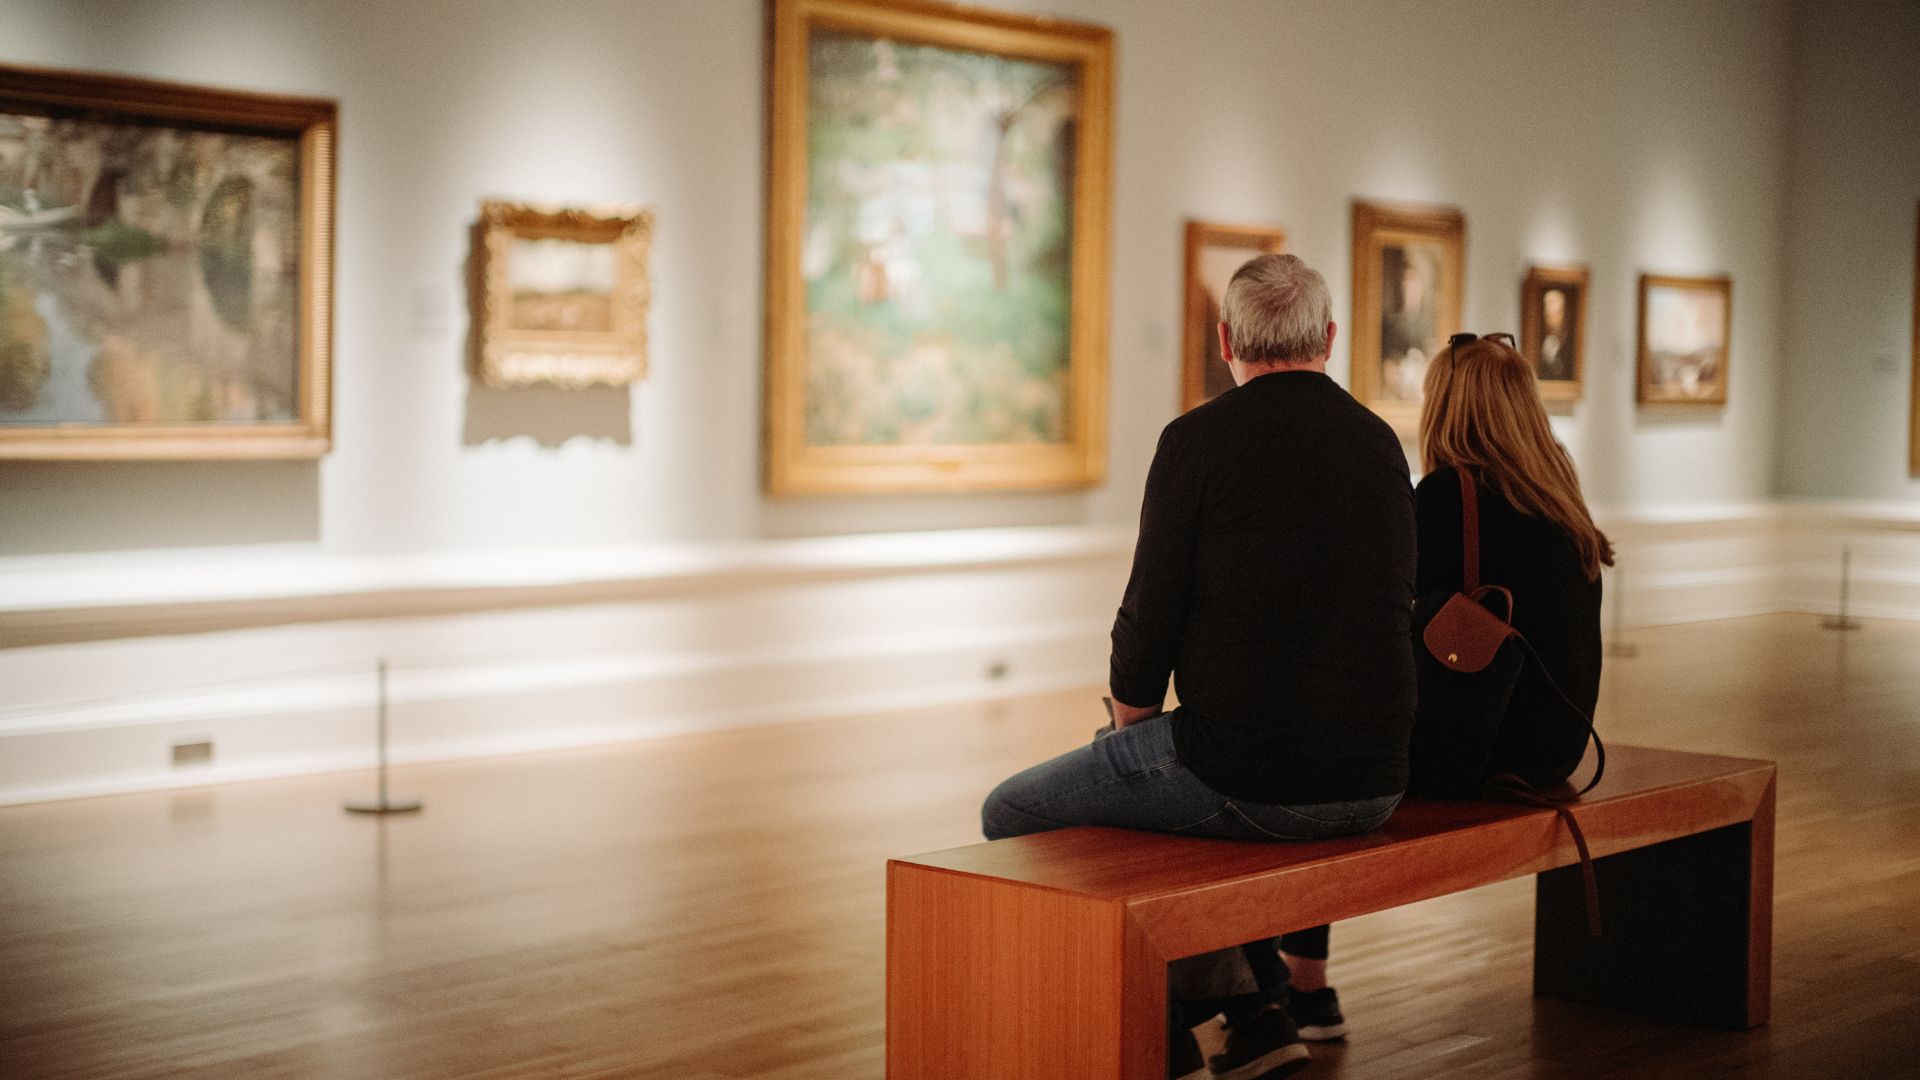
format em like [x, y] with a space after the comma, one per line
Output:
[166, 269]
[1214, 252]
[559, 295]
[937, 248]
[1685, 326]
[1409, 272]
[1553, 328]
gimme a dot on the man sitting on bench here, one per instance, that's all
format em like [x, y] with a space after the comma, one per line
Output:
[1273, 581]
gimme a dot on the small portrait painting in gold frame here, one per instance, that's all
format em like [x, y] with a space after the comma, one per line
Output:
[1685, 327]
[560, 295]
[1214, 252]
[1553, 328]
[1409, 272]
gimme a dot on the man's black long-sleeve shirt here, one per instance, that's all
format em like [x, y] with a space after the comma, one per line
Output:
[1273, 579]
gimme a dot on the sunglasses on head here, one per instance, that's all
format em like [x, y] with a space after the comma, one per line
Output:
[1463, 339]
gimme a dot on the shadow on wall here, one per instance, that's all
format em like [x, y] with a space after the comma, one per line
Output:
[74, 506]
[547, 414]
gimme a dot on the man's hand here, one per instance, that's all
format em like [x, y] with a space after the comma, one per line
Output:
[1124, 714]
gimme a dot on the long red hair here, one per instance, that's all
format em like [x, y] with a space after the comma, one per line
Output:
[1483, 414]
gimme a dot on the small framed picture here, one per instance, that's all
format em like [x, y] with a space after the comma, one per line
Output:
[1553, 328]
[1685, 327]
[560, 295]
[1214, 253]
[1408, 281]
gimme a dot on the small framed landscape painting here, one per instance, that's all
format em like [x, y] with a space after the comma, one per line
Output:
[166, 269]
[1408, 280]
[1685, 324]
[937, 248]
[560, 295]
[1214, 252]
[1553, 328]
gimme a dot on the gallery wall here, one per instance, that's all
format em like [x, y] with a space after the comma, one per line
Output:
[144, 607]
[1853, 190]
[1632, 136]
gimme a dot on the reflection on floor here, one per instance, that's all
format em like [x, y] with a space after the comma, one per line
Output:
[711, 907]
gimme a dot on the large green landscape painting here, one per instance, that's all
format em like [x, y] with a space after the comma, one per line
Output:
[148, 274]
[937, 246]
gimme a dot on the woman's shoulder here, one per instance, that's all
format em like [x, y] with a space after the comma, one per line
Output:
[1441, 487]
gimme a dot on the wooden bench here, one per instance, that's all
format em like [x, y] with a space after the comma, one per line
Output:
[1045, 955]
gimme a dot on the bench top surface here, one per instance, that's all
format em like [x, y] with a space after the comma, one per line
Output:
[1648, 795]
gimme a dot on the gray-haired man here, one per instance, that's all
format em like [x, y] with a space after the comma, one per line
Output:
[1273, 581]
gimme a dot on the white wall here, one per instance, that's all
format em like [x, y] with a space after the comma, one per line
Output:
[1634, 136]
[1854, 186]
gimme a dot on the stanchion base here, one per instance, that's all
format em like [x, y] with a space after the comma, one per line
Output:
[1839, 624]
[389, 805]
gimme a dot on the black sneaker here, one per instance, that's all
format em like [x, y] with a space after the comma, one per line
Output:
[1183, 1057]
[1317, 1014]
[1263, 1048]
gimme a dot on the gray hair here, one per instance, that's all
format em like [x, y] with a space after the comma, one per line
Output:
[1277, 309]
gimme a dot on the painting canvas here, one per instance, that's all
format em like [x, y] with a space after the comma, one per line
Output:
[937, 216]
[1214, 253]
[1553, 321]
[163, 269]
[1408, 277]
[560, 294]
[1684, 329]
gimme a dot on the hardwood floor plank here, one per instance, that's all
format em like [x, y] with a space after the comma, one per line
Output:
[710, 907]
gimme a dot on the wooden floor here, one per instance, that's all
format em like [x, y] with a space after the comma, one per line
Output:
[711, 907]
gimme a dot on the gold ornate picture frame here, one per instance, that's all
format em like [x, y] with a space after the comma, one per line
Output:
[166, 269]
[1213, 253]
[560, 294]
[938, 231]
[1684, 341]
[1553, 328]
[1409, 277]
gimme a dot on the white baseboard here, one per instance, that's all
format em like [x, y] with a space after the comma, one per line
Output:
[525, 656]
[308, 725]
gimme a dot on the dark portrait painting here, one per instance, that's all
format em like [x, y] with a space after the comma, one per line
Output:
[1553, 303]
[1408, 283]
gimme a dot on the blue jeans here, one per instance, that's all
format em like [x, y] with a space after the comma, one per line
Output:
[1131, 779]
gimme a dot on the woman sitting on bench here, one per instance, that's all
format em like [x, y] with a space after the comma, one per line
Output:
[1537, 540]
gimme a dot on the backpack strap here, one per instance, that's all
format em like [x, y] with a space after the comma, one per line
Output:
[1512, 787]
[1469, 533]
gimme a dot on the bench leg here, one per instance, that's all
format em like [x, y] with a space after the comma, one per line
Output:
[1688, 928]
[990, 978]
